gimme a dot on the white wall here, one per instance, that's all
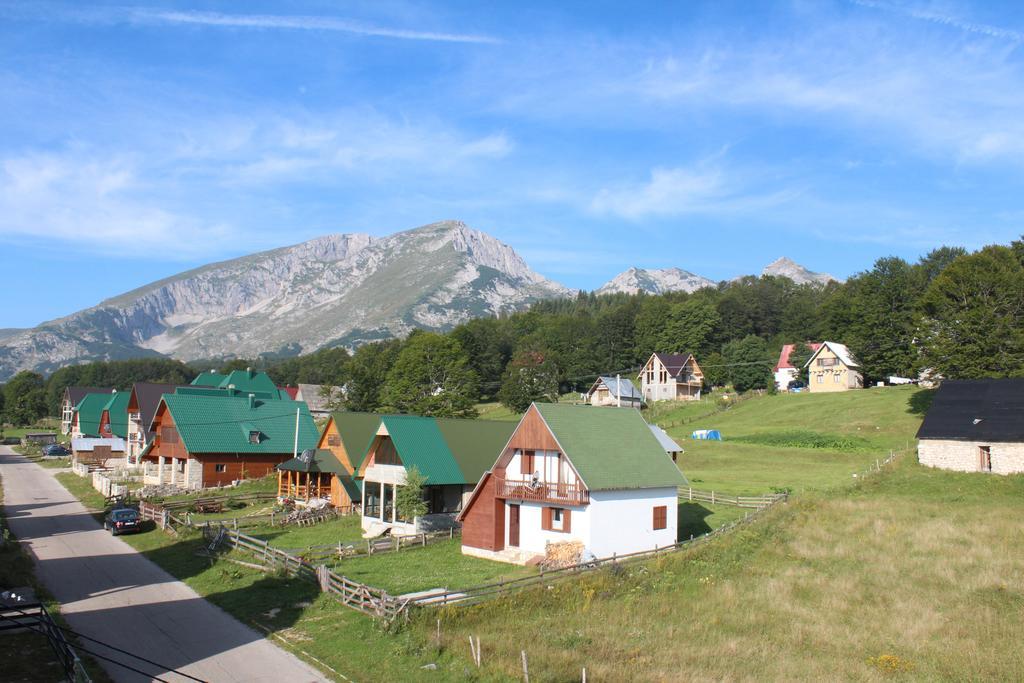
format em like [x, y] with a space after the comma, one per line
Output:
[534, 538]
[783, 377]
[618, 522]
[622, 521]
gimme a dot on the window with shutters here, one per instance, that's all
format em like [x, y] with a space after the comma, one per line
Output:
[333, 440]
[660, 517]
[556, 519]
[527, 463]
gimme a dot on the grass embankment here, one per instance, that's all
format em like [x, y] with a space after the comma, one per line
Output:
[34, 660]
[914, 575]
[796, 442]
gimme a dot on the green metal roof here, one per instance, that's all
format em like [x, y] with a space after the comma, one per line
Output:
[208, 379]
[212, 423]
[217, 391]
[90, 411]
[357, 431]
[117, 408]
[611, 448]
[475, 444]
[244, 380]
[447, 451]
[420, 444]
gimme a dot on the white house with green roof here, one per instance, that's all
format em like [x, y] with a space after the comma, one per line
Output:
[574, 473]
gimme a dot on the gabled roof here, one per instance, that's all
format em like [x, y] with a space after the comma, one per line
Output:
[841, 352]
[447, 451]
[145, 396]
[357, 431]
[617, 385]
[90, 410]
[976, 410]
[292, 392]
[210, 378]
[787, 349]
[212, 423]
[247, 380]
[117, 413]
[475, 443]
[611, 448]
[75, 394]
[675, 363]
[666, 441]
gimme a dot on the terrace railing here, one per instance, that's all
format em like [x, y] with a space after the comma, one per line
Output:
[543, 492]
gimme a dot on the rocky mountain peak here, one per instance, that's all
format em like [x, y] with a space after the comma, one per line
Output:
[787, 267]
[655, 281]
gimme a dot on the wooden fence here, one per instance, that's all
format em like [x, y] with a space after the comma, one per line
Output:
[373, 546]
[494, 590]
[213, 500]
[366, 599]
[715, 498]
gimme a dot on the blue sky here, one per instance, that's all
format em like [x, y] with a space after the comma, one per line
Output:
[140, 140]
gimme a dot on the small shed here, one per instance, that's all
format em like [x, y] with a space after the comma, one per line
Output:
[614, 391]
[316, 473]
[667, 442]
[975, 426]
[41, 438]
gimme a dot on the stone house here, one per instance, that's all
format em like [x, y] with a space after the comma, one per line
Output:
[975, 425]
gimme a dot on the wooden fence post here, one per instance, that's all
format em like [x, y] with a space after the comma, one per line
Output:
[526, 669]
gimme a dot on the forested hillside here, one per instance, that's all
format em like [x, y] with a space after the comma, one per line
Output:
[960, 314]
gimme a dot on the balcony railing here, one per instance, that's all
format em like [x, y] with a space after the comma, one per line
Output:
[544, 492]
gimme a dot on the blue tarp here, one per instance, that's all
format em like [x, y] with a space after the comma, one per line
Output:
[707, 435]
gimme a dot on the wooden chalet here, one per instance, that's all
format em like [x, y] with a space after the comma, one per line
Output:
[671, 377]
[142, 405]
[85, 419]
[450, 453]
[209, 438]
[345, 437]
[72, 397]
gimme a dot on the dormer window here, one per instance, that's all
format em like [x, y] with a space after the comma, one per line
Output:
[255, 436]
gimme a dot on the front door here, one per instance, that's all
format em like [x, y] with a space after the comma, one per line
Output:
[985, 458]
[513, 525]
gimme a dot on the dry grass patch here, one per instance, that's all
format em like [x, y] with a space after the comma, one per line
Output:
[878, 584]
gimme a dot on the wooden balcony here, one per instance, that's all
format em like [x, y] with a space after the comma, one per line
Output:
[542, 492]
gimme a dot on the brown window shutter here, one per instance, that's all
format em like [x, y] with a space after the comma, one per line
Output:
[566, 520]
[545, 519]
[526, 462]
[660, 517]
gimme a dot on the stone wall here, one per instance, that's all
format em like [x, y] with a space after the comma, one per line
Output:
[963, 456]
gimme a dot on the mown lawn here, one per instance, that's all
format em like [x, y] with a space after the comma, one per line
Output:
[797, 442]
[913, 574]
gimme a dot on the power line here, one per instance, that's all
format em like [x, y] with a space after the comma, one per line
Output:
[108, 646]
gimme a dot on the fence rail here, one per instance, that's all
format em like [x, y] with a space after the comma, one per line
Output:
[373, 601]
[189, 503]
[715, 498]
[35, 617]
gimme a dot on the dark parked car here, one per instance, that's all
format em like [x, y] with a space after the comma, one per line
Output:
[123, 520]
[55, 449]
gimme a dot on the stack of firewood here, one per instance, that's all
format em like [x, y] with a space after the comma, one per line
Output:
[565, 554]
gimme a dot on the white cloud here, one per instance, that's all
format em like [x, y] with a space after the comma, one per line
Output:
[669, 192]
[89, 202]
[297, 23]
[926, 14]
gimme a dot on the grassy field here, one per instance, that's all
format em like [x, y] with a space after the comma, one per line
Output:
[796, 442]
[912, 575]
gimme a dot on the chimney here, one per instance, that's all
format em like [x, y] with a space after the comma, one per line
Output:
[252, 401]
[248, 373]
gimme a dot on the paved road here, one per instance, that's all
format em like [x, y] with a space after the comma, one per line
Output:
[112, 593]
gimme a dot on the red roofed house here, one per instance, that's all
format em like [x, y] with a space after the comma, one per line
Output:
[785, 373]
